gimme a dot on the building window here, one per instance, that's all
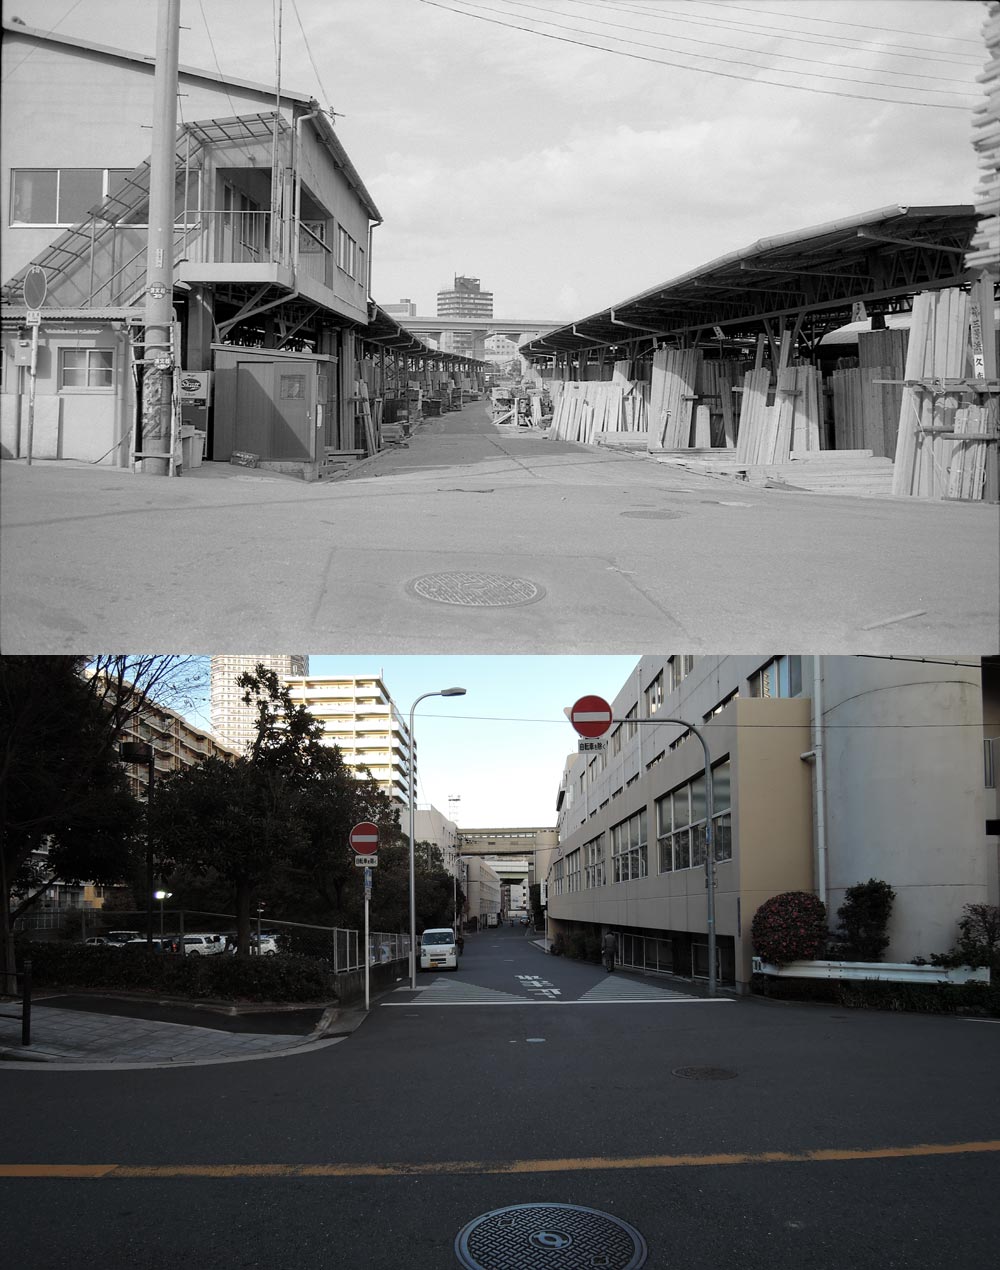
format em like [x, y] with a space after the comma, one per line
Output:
[681, 817]
[628, 849]
[558, 870]
[59, 196]
[631, 724]
[86, 368]
[991, 759]
[573, 870]
[654, 695]
[346, 252]
[594, 861]
[781, 677]
[312, 236]
[733, 696]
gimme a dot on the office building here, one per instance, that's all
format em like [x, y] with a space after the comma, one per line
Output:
[233, 721]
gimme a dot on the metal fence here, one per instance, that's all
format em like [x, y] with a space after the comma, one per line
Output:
[342, 945]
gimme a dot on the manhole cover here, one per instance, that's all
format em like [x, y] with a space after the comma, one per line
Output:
[705, 1073]
[540, 1236]
[479, 590]
[652, 515]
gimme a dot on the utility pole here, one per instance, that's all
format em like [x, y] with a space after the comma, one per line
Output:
[158, 370]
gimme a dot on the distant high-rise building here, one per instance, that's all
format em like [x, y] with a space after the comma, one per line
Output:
[232, 721]
[466, 299]
[361, 719]
[401, 311]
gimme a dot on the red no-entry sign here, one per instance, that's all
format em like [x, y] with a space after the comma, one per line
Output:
[591, 716]
[364, 838]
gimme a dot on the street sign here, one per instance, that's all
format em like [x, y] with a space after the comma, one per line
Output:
[34, 317]
[592, 745]
[591, 716]
[365, 861]
[35, 286]
[364, 838]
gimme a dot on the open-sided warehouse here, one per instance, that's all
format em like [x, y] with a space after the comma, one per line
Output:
[727, 363]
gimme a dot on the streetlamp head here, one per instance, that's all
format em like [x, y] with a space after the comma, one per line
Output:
[452, 692]
[162, 895]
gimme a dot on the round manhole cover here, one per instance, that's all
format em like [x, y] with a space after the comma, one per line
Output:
[478, 590]
[549, 1237]
[705, 1073]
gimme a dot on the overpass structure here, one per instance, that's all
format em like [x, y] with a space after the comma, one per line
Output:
[517, 328]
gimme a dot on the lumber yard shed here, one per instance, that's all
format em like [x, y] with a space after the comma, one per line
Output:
[725, 366]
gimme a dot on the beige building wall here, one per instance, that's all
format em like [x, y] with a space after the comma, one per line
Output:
[904, 795]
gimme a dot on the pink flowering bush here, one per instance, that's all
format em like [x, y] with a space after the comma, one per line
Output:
[789, 927]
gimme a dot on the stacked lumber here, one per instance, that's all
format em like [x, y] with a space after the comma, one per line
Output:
[769, 433]
[583, 410]
[716, 382]
[967, 469]
[938, 350]
[866, 409]
[753, 412]
[984, 250]
[672, 393]
[363, 414]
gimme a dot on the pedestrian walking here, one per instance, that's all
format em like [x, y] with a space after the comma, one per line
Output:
[610, 949]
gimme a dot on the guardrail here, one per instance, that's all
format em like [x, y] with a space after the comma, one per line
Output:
[893, 972]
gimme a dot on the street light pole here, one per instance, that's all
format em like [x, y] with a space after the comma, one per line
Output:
[442, 692]
[143, 752]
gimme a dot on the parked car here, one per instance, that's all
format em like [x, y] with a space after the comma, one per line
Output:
[158, 945]
[204, 945]
[118, 938]
[97, 941]
[438, 949]
[268, 945]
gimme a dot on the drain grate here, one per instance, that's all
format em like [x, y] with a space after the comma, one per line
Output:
[478, 590]
[705, 1073]
[549, 1237]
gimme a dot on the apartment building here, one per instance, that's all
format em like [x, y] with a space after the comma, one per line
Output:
[466, 299]
[826, 772]
[177, 745]
[233, 721]
[359, 716]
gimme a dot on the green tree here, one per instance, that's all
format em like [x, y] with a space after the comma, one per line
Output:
[66, 813]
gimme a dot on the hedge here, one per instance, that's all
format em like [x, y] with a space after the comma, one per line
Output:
[281, 977]
[871, 994]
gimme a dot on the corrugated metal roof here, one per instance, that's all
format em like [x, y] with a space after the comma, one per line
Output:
[877, 255]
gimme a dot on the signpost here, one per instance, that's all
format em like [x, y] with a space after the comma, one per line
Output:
[35, 286]
[363, 840]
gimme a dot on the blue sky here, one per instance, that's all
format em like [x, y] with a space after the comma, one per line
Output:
[573, 153]
[502, 746]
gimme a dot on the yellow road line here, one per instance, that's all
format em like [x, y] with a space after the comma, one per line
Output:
[573, 1164]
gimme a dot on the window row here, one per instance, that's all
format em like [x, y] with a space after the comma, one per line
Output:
[682, 817]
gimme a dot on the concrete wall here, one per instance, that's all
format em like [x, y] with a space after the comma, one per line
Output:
[906, 802]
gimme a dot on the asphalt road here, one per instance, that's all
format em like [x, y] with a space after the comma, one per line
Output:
[525, 1079]
[587, 544]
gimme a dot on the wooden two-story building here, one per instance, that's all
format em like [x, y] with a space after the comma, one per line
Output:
[272, 255]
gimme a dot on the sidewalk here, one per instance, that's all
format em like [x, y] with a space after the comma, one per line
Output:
[115, 1033]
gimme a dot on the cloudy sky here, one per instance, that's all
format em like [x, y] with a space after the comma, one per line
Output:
[571, 153]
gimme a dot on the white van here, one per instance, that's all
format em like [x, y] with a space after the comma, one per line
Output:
[438, 949]
[203, 945]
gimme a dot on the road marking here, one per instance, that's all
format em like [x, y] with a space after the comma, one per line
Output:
[562, 1001]
[571, 1164]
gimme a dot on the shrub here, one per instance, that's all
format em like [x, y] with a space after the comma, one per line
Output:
[926, 998]
[273, 978]
[863, 918]
[978, 940]
[789, 927]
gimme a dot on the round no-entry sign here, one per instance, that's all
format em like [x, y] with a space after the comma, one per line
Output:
[364, 838]
[591, 716]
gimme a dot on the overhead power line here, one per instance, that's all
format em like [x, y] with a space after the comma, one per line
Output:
[738, 48]
[660, 61]
[802, 14]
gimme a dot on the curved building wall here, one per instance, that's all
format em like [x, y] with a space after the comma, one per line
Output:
[905, 797]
